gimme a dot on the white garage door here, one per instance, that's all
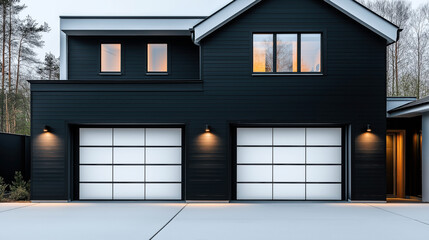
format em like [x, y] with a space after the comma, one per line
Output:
[130, 164]
[289, 164]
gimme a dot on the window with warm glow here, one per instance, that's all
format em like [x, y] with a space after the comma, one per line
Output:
[263, 53]
[310, 53]
[157, 57]
[110, 57]
[287, 53]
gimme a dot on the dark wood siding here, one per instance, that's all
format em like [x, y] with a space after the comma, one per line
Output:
[84, 58]
[351, 92]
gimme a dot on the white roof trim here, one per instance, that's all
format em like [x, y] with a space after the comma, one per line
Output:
[410, 112]
[221, 17]
[113, 26]
[367, 18]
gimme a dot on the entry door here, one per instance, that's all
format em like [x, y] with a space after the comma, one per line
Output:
[289, 164]
[130, 164]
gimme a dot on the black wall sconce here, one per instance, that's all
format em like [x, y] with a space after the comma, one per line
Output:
[207, 128]
[47, 129]
[368, 128]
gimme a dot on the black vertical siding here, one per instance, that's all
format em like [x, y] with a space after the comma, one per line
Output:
[351, 92]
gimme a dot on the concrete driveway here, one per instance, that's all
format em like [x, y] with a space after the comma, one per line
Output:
[213, 221]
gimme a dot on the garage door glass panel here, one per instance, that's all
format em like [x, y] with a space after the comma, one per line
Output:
[128, 155]
[163, 191]
[289, 155]
[95, 137]
[164, 137]
[95, 173]
[128, 173]
[254, 173]
[324, 136]
[163, 174]
[248, 155]
[92, 155]
[323, 173]
[98, 191]
[254, 136]
[324, 155]
[164, 155]
[129, 136]
[123, 191]
[324, 192]
[288, 191]
[289, 136]
[289, 173]
[255, 191]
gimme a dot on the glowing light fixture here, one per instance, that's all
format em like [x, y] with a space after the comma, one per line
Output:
[368, 128]
[47, 129]
[207, 128]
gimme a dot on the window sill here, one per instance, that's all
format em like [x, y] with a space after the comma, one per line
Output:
[286, 74]
[156, 74]
[110, 74]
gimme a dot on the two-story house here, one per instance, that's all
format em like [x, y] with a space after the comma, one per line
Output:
[262, 100]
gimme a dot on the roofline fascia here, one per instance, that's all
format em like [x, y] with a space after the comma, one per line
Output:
[133, 17]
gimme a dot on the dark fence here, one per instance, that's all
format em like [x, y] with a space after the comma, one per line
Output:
[14, 156]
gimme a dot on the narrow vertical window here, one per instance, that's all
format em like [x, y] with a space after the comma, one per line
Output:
[157, 58]
[110, 57]
[263, 59]
[287, 53]
[310, 53]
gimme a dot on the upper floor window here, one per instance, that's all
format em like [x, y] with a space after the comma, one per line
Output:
[157, 58]
[287, 53]
[110, 57]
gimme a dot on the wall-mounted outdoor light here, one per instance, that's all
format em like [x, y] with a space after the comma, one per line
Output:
[207, 128]
[368, 128]
[47, 129]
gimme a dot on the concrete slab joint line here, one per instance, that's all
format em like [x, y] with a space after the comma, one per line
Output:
[400, 215]
[8, 210]
[168, 222]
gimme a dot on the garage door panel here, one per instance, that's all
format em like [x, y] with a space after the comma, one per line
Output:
[97, 191]
[288, 191]
[248, 155]
[289, 155]
[95, 155]
[324, 155]
[123, 191]
[95, 136]
[324, 136]
[163, 137]
[129, 136]
[323, 173]
[95, 173]
[289, 136]
[253, 191]
[254, 173]
[163, 173]
[324, 191]
[128, 155]
[289, 173]
[128, 173]
[163, 155]
[156, 191]
[254, 136]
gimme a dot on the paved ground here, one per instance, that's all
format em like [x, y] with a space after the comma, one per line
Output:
[119, 221]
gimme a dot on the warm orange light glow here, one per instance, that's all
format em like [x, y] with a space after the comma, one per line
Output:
[207, 142]
[262, 53]
[110, 57]
[157, 59]
[287, 53]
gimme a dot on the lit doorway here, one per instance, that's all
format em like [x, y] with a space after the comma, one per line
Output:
[395, 165]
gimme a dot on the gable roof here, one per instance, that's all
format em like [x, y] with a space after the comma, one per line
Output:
[351, 8]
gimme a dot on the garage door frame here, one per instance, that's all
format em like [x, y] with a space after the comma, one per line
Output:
[75, 161]
[344, 154]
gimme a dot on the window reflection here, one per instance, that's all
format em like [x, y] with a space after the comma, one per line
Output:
[287, 53]
[263, 53]
[310, 53]
[110, 57]
[157, 58]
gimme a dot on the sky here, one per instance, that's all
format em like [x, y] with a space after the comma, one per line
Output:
[50, 10]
